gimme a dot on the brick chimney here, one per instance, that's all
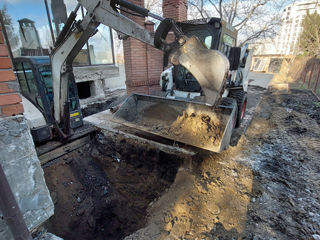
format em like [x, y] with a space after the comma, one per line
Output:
[175, 9]
[10, 100]
[143, 63]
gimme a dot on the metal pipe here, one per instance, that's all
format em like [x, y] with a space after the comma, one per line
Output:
[87, 43]
[11, 211]
[137, 9]
[49, 21]
[66, 28]
[77, 8]
[112, 46]
[155, 16]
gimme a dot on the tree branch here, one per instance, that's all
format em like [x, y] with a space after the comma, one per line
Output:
[199, 10]
[235, 12]
[215, 6]
[251, 12]
[220, 8]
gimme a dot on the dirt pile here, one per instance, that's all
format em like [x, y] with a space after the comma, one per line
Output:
[188, 126]
[198, 127]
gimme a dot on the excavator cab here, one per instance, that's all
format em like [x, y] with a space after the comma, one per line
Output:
[35, 78]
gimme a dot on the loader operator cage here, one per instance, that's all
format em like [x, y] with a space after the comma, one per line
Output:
[209, 32]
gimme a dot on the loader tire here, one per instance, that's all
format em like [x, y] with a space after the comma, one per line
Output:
[241, 97]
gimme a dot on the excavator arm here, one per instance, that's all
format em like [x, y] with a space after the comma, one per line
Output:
[182, 51]
[74, 36]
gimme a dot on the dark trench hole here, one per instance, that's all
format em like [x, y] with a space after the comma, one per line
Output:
[84, 89]
[103, 190]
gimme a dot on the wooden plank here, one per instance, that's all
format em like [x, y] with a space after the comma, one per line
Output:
[60, 151]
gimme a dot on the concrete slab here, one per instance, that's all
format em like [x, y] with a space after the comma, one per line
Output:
[259, 79]
[24, 173]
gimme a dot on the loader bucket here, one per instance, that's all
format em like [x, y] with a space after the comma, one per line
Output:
[191, 123]
[208, 66]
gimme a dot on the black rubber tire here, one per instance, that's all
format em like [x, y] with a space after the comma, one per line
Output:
[241, 97]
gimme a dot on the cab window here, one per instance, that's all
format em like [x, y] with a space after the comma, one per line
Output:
[227, 43]
[21, 78]
[27, 83]
[205, 36]
[46, 76]
[30, 78]
[208, 41]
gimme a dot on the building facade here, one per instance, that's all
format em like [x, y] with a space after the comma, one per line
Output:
[270, 53]
[288, 40]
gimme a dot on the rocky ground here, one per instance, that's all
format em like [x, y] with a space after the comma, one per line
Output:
[266, 186]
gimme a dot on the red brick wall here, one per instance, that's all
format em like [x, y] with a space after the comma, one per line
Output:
[10, 100]
[155, 63]
[135, 58]
[175, 9]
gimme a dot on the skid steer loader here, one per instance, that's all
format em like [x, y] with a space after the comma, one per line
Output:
[205, 121]
[186, 114]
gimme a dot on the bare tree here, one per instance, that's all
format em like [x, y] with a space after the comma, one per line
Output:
[154, 6]
[252, 18]
[310, 36]
[13, 37]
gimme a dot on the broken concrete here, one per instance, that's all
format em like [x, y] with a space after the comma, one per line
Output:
[47, 236]
[24, 173]
[102, 78]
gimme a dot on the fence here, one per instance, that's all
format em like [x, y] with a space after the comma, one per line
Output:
[311, 77]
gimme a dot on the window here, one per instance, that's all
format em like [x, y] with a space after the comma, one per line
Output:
[100, 46]
[98, 49]
[82, 59]
[31, 34]
[46, 77]
[27, 83]
[227, 43]
[208, 41]
[30, 78]
[228, 40]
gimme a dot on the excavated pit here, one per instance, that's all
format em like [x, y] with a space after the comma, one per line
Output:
[102, 190]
